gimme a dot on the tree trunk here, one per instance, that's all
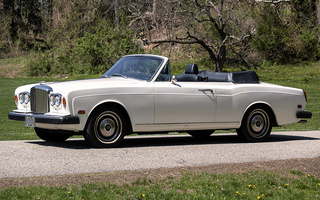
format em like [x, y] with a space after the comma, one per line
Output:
[222, 51]
[154, 11]
[50, 13]
[8, 7]
[318, 17]
[116, 14]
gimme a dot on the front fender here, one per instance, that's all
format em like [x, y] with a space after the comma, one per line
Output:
[84, 106]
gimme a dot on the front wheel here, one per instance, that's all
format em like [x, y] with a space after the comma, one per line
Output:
[256, 125]
[106, 129]
[53, 135]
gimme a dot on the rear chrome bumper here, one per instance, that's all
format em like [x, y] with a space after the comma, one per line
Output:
[304, 114]
[46, 119]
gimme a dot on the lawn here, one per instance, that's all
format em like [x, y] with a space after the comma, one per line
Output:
[15, 130]
[252, 185]
[12, 130]
[304, 76]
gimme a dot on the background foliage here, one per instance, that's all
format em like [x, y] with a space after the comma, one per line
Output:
[285, 36]
[93, 53]
[87, 36]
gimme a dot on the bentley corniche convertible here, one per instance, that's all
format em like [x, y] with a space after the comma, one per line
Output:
[139, 95]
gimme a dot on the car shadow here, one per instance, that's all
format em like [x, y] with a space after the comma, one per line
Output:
[170, 140]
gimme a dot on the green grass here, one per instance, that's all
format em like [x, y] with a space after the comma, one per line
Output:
[305, 76]
[11, 130]
[252, 185]
[15, 130]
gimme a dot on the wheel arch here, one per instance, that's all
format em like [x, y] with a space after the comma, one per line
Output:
[108, 105]
[264, 106]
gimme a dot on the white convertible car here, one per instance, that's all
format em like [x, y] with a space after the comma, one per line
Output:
[138, 95]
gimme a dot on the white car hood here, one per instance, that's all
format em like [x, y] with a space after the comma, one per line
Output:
[66, 87]
[69, 86]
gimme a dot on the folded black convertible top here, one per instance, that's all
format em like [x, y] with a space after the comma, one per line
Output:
[235, 77]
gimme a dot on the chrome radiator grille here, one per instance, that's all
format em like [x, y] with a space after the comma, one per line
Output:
[40, 98]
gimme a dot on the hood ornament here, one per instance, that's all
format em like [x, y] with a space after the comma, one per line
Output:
[42, 82]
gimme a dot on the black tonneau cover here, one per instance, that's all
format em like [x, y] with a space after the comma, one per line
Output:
[235, 77]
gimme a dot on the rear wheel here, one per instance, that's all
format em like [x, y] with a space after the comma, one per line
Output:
[106, 129]
[200, 134]
[256, 125]
[53, 135]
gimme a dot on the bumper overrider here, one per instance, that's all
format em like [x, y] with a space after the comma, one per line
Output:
[304, 114]
[41, 118]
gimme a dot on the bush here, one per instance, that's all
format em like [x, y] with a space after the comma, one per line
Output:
[283, 38]
[94, 53]
[40, 64]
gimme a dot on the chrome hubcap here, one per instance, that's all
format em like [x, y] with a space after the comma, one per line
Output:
[107, 127]
[259, 123]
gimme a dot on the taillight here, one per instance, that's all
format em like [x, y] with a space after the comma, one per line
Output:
[305, 95]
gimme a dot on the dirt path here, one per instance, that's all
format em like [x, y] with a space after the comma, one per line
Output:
[306, 165]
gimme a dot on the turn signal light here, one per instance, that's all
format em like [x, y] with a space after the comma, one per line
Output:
[64, 102]
[81, 112]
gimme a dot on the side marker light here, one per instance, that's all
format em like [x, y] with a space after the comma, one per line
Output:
[81, 112]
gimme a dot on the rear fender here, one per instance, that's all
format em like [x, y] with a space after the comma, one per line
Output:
[264, 105]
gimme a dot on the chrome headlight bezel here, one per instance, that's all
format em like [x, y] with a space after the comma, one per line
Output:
[27, 98]
[24, 97]
[55, 99]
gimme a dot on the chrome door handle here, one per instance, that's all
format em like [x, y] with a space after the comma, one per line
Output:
[206, 90]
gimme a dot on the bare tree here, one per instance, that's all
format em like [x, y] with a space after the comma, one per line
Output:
[214, 25]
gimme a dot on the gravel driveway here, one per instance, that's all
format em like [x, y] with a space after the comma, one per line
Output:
[38, 158]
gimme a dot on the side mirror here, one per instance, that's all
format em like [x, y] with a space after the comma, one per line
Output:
[174, 80]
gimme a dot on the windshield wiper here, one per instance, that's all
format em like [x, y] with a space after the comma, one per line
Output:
[104, 76]
[123, 76]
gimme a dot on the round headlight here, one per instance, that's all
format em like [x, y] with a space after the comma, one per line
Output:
[21, 98]
[26, 98]
[51, 100]
[57, 100]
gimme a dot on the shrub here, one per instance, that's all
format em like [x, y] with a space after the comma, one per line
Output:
[282, 38]
[94, 53]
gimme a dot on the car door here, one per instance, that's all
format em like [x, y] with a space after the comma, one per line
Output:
[184, 103]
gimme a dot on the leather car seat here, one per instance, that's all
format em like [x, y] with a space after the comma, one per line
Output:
[190, 74]
[192, 69]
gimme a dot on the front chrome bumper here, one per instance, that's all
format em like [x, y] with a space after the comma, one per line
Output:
[46, 119]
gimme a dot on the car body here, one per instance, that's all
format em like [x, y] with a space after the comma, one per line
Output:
[138, 95]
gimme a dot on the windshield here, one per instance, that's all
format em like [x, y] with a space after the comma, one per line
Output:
[139, 67]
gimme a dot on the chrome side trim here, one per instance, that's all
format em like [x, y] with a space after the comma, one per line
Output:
[172, 127]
